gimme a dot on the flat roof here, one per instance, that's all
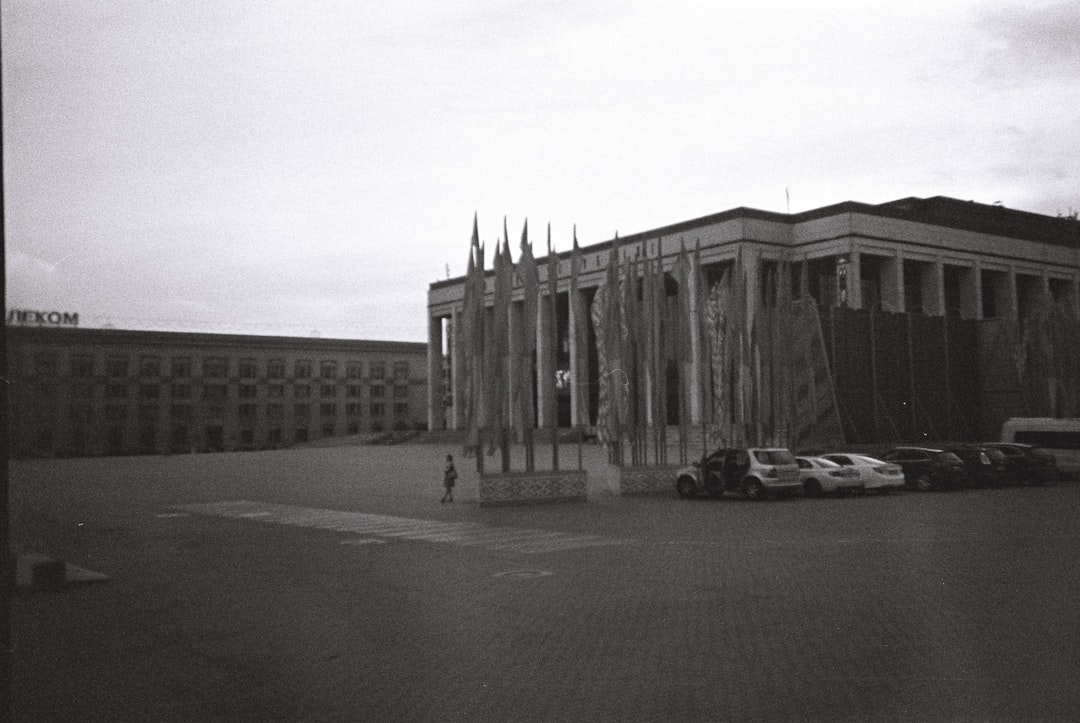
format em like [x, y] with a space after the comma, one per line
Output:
[940, 211]
[83, 335]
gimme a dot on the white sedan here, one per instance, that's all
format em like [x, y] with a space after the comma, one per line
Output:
[875, 474]
[820, 476]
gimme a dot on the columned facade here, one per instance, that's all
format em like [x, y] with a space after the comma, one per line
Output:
[933, 257]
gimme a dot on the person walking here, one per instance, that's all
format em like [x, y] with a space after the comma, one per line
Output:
[449, 475]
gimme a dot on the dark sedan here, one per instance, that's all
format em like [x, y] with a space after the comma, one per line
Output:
[927, 468]
[1027, 463]
[985, 466]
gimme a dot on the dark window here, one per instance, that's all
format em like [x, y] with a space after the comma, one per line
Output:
[82, 366]
[215, 367]
[116, 391]
[275, 369]
[301, 410]
[328, 369]
[46, 363]
[353, 428]
[378, 370]
[247, 411]
[115, 413]
[352, 409]
[82, 413]
[214, 411]
[401, 408]
[302, 391]
[378, 392]
[328, 430]
[275, 390]
[248, 391]
[353, 390]
[302, 369]
[181, 367]
[353, 370]
[275, 435]
[149, 391]
[149, 366]
[275, 411]
[180, 411]
[327, 410]
[45, 390]
[328, 390]
[179, 437]
[1049, 438]
[248, 369]
[82, 391]
[301, 434]
[401, 370]
[181, 391]
[116, 366]
[377, 409]
[247, 436]
[149, 412]
[401, 391]
[216, 391]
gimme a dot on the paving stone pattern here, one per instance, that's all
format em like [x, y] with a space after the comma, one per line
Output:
[912, 607]
[511, 539]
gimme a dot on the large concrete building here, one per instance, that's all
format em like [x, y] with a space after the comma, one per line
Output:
[932, 257]
[79, 391]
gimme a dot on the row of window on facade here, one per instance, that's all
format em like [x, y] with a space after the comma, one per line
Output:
[84, 413]
[180, 390]
[180, 438]
[47, 363]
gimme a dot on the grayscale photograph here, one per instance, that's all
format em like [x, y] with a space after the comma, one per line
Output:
[555, 362]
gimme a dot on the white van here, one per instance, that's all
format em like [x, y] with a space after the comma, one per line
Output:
[1058, 435]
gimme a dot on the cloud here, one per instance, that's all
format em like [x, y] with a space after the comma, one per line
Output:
[1031, 41]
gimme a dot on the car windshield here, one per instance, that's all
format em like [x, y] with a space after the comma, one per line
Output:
[868, 460]
[949, 457]
[774, 456]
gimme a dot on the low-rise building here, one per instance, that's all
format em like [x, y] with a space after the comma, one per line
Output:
[76, 391]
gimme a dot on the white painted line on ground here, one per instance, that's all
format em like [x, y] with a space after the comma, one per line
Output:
[527, 541]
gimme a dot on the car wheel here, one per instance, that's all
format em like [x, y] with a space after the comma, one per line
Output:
[812, 488]
[686, 488]
[923, 483]
[753, 489]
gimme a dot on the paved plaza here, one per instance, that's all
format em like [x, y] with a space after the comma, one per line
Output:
[331, 584]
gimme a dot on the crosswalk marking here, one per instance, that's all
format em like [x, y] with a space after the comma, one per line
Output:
[472, 534]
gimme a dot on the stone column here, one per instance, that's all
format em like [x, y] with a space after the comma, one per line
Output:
[892, 283]
[545, 370]
[457, 384]
[1074, 295]
[1012, 298]
[933, 289]
[517, 309]
[971, 292]
[854, 280]
[694, 382]
[436, 416]
[579, 366]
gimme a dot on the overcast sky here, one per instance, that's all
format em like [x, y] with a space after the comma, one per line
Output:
[258, 166]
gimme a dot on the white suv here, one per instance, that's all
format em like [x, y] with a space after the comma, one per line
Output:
[754, 472]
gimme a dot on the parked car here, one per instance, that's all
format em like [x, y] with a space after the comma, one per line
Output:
[985, 466]
[1027, 463]
[928, 468]
[754, 472]
[820, 477]
[1059, 436]
[877, 475]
